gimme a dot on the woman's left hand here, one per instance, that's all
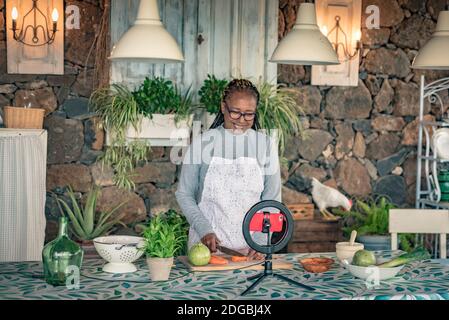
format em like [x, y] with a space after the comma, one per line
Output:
[254, 255]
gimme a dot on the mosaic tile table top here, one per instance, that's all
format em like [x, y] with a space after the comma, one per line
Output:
[420, 280]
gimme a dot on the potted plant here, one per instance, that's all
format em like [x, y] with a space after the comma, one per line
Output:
[118, 110]
[164, 237]
[371, 219]
[85, 222]
[181, 227]
[211, 94]
[278, 110]
[165, 115]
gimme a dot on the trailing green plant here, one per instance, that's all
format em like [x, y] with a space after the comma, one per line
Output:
[85, 222]
[163, 236]
[211, 93]
[118, 109]
[278, 110]
[159, 95]
[371, 217]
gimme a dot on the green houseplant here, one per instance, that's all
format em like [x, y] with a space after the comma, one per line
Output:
[163, 240]
[161, 96]
[118, 110]
[211, 94]
[156, 114]
[278, 110]
[85, 222]
[371, 219]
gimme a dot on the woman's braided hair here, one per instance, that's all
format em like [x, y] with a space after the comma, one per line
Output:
[237, 85]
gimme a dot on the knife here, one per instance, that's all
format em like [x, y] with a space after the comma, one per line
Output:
[230, 251]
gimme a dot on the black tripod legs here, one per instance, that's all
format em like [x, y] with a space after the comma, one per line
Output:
[259, 278]
[293, 282]
[255, 276]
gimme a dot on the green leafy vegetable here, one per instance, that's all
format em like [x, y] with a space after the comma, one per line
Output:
[416, 255]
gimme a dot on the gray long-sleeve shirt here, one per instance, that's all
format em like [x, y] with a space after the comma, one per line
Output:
[223, 143]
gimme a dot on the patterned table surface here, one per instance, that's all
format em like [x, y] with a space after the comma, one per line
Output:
[420, 280]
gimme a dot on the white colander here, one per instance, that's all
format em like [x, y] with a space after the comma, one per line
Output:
[120, 252]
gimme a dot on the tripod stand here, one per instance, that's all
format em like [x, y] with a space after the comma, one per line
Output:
[268, 264]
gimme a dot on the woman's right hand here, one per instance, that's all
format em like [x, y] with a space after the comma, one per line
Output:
[211, 241]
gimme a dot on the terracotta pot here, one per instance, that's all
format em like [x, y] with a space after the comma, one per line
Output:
[159, 268]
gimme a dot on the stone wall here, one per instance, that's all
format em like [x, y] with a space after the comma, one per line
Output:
[363, 139]
[360, 139]
[75, 138]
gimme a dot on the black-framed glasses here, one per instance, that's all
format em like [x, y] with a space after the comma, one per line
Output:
[235, 115]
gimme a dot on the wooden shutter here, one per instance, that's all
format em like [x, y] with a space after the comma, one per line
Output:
[239, 37]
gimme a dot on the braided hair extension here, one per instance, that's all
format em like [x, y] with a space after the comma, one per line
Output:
[237, 85]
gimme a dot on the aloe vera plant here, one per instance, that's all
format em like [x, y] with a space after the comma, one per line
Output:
[85, 223]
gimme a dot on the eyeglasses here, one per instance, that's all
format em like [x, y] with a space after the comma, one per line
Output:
[235, 115]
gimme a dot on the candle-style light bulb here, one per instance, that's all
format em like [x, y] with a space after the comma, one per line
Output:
[55, 15]
[14, 13]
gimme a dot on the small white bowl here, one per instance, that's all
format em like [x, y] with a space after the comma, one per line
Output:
[372, 272]
[345, 251]
[120, 252]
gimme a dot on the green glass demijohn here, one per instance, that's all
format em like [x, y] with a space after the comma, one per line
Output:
[60, 256]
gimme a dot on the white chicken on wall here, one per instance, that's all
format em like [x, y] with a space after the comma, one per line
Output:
[326, 197]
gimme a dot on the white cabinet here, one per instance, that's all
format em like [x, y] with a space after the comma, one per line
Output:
[23, 156]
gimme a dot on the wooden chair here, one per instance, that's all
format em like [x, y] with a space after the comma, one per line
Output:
[423, 221]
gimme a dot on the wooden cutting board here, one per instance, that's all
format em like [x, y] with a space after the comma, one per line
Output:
[278, 263]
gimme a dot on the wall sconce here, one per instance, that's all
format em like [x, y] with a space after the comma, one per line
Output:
[344, 20]
[341, 45]
[21, 35]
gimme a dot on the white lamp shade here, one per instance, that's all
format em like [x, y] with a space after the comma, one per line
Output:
[305, 44]
[435, 53]
[147, 40]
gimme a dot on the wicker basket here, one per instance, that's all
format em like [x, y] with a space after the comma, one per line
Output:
[24, 118]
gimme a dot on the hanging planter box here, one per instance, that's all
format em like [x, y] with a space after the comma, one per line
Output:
[161, 131]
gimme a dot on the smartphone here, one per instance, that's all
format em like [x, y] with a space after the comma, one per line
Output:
[276, 222]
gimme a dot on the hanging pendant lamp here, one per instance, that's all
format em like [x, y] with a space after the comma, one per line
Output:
[435, 53]
[147, 40]
[305, 44]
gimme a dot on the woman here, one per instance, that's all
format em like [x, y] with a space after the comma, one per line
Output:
[227, 170]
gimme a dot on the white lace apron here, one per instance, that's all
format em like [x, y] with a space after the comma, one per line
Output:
[231, 188]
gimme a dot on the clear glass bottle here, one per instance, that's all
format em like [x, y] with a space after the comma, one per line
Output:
[60, 256]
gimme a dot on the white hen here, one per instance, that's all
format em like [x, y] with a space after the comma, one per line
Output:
[327, 197]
